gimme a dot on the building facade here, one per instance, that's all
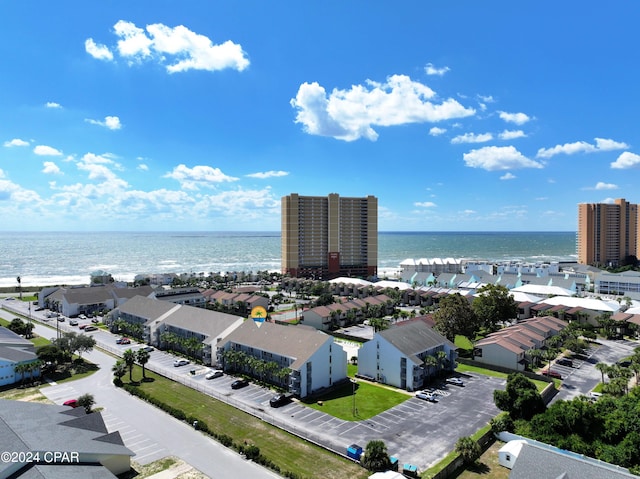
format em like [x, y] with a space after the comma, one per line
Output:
[324, 237]
[607, 233]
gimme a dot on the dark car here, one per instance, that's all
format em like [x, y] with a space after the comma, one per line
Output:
[565, 362]
[90, 328]
[551, 374]
[239, 383]
[122, 340]
[279, 399]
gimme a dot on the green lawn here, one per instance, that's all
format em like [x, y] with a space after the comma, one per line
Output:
[370, 399]
[288, 452]
[465, 368]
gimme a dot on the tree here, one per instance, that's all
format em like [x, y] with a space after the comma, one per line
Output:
[86, 401]
[17, 326]
[119, 370]
[603, 368]
[520, 399]
[81, 343]
[468, 449]
[129, 358]
[20, 368]
[430, 362]
[142, 357]
[376, 457]
[455, 316]
[50, 353]
[494, 305]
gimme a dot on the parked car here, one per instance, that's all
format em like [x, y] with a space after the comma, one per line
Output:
[456, 381]
[90, 328]
[73, 322]
[552, 374]
[180, 362]
[71, 403]
[565, 362]
[216, 373]
[95, 320]
[123, 341]
[148, 348]
[427, 396]
[82, 326]
[82, 316]
[239, 383]
[61, 319]
[279, 399]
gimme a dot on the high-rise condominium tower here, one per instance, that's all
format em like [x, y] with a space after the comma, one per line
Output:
[324, 237]
[607, 233]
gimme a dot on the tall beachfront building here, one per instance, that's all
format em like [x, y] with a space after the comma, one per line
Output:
[607, 232]
[324, 237]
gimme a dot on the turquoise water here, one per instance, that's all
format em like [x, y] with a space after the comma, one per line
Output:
[69, 258]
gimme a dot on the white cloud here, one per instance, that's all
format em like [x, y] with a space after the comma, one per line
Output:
[581, 147]
[52, 104]
[143, 167]
[429, 69]
[178, 48]
[15, 142]
[110, 122]
[201, 175]
[99, 169]
[517, 118]
[486, 98]
[99, 52]
[44, 150]
[492, 158]
[626, 160]
[508, 176]
[425, 204]
[511, 134]
[435, 131]
[268, 174]
[472, 138]
[50, 168]
[604, 186]
[351, 114]
[469, 212]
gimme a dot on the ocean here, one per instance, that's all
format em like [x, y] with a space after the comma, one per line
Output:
[69, 258]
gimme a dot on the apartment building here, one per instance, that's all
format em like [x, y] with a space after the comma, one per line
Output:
[324, 237]
[607, 233]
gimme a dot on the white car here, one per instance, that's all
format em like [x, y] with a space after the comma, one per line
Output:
[216, 373]
[427, 396]
[180, 362]
[456, 381]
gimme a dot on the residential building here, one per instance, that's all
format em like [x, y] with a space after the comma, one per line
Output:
[31, 427]
[396, 356]
[617, 283]
[15, 351]
[324, 237]
[186, 296]
[315, 361]
[607, 232]
[88, 299]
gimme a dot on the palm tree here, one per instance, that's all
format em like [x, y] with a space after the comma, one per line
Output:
[142, 357]
[86, 401]
[129, 358]
[603, 368]
[468, 449]
[119, 370]
[429, 363]
[21, 368]
[441, 358]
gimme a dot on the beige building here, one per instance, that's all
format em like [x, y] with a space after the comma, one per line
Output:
[607, 233]
[324, 237]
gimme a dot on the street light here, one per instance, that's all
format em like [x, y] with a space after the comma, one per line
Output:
[353, 383]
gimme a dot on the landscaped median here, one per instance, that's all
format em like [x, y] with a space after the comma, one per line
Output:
[289, 455]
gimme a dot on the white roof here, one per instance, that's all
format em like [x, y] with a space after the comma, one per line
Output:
[520, 297]
[393, 284]
[348, 280]
[387, 475]
[543, 290]
[587, 303]
[513, 447]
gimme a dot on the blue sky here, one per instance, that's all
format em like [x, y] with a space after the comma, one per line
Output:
[200, 115]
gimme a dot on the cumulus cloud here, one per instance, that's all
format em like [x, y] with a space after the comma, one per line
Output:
[15, 142]
[511, 134]
[52, 104]
[50, 168]
[99, 168]
[142, 167]
[351, 114]
[99, 52]
[600, 185]
[424, 204]
[601, 144]
[517, 118]
[626, 160]
[44, 150]
[508, 176]
[430, 69]
[110, 122]
[435, 131]
[268, 174]
[201, 175]
[472, 138]
[493, 158]
[178, 48]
